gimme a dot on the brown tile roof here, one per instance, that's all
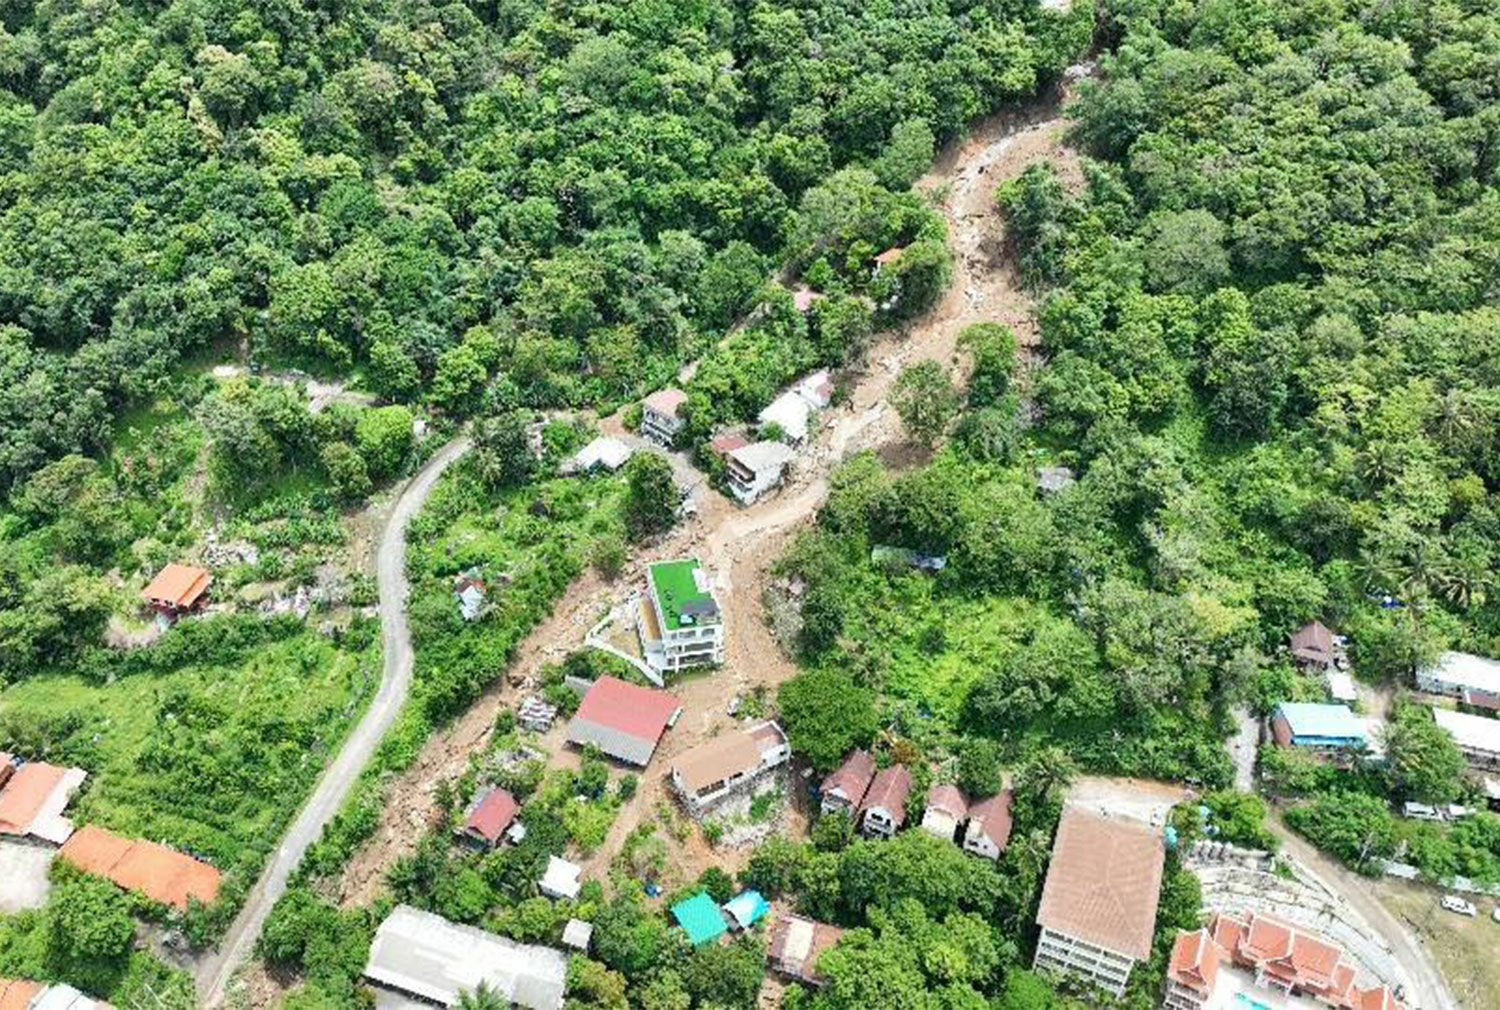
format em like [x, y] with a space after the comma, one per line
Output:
[25, 794]
[160, 873]
[1104, 882]
[852, 777]
[797, 943]
[889, 790]
[17, 994]
[1313, 642]
[947, 799]
[728, 442]
[993, 817]
[716, 760]
[178, 586]
[666, 401]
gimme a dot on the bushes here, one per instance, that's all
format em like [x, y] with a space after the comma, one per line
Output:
[1354, 827]
[826, 714]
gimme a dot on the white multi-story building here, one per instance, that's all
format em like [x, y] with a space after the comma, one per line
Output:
[680, 624]
[661, 416]
[755, 469]
[732, 762]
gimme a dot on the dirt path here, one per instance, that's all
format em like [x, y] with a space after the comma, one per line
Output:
[214, 972]
[1426, 989]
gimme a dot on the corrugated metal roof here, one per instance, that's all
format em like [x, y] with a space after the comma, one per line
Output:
[1333, 722]
[427, 956]
[1473, 732]
[1467, 670]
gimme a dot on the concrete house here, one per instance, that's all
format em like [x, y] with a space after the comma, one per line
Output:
[946, 810]
[1329, 729]
[603, 453]
[1473, 680]
[623, 720]
[468, 589]
[845, 789]
[1098, 908]
[789, 412]
[562, 879]
[753, 470]
[883, 810]
[422, 959]
[796, 944]
[661, 416]
[490, 817]
[177, 590]
[680, 623]
[731, 763]
[988, 830]
[1477, 736]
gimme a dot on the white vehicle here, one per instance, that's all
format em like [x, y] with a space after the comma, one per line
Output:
[1421, 812]
[1456, 904]
[1495, 915]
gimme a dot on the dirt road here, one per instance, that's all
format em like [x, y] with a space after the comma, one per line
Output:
[1427, 990]
[215, 971]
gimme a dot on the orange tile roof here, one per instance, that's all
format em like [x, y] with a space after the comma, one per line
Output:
[160, 873]
[1195, 961]
[1103, 883]
[25, 794]
[1299, 958]
[17, 994]
[178, 586]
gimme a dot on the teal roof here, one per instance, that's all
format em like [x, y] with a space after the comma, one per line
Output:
[1323, 722]
[700, 917]
[748, 908]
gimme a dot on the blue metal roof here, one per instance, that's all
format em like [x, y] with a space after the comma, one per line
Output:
[1327, 722]
[700, 918]
[748, 908]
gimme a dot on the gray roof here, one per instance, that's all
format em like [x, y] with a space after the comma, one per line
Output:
[426, 956]
[616, 743]
[763, 457]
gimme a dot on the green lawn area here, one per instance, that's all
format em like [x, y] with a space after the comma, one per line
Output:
[213, 754]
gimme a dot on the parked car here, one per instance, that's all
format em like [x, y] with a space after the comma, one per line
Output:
[1495, 915]
[1454, 903]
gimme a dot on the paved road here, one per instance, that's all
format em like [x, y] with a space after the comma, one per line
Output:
[333, 788]
[1428, 991]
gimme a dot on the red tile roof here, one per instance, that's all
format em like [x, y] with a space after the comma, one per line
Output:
[1299, 958]
[1104, 882]
[160, 873]
[994, 817]
[889, 791]
[1195, 961]
[947, 799]
[178, 586]
[492, 816]
[728, 442]
[640, 712]
[25, 794]
[853, 777]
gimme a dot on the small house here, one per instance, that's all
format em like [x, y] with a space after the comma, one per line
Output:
[623, 720]
[845, 789]
[33, 798]
[536, 715]
[753, 470]
[1477, 736]
[603, 453]
[884, 808]
[1052, 479]
[988, 831]
[1316, 727]
[490, 817]
[790, 413]
[578, 934]
[700, 919]
[562, 879]
[1313, 646]
[796, 944]
[746, 909]
[730, 763]
[816, 389]
[178, 589]
[662, 417]
[946, 810]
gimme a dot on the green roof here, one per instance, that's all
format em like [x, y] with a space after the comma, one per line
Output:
[700, 917]
[677, 591]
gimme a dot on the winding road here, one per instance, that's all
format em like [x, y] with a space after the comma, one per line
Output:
[215, 971]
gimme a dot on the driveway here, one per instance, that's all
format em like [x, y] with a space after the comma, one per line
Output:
[333, 788]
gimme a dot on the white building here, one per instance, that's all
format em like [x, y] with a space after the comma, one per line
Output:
[731, 762]
[422, 959]
[680, 624]
[603, 453]
[1473, 680]
[988, 831]
[755, 469]
[1098, 908]
[791, 414]
[945, 811]
[562, 879]
[1476, 735]
[661, 416]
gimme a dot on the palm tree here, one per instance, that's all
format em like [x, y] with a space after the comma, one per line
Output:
[482, 997]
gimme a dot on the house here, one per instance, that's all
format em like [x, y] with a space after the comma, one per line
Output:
[469, 590]
[988, 831]
[164, 875]
[432, 962]
[726, 442]
[845, 789]
[946, 810]
[1476, 735]
[746, 909]
[578, 934]
[680, 623]
[623, 720]
[700, 918]
[1473, 680]
[795, 946]
[790, 413]
[489, 818]
[752, 470]
[536, 715]
[1313, 646]
[603, 453]
[887, 259]
[816, 389]
[33, 796]
[562, 879]
[1098, 909]
[730, 763]
[19, 994]
[178, 589]
[661, 416]
[804, 298]
[884, 807]
[1052, 479]
[1317, 727]
[1236, 959]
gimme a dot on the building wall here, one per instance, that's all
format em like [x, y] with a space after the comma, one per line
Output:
[878, 821]
[1180, 997]
[659, 427]
[1105, 968]
[979, 844]
[940, 824]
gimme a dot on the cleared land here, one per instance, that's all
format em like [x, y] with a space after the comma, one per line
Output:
[1467, 950]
